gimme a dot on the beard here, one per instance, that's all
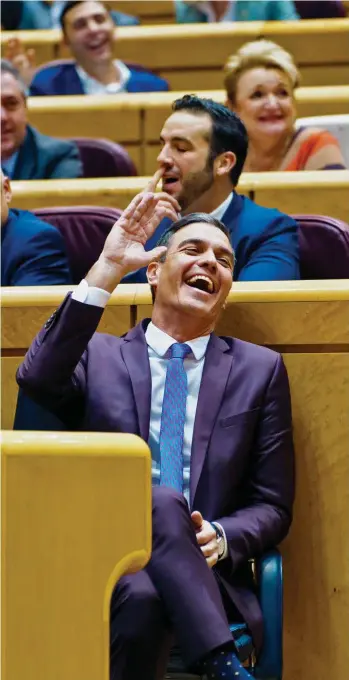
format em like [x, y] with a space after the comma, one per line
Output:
[195, 185]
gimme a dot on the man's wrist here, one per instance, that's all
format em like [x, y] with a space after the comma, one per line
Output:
[105, 274]
[222, 540]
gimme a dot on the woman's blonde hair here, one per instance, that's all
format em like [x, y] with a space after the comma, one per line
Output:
[253, 55]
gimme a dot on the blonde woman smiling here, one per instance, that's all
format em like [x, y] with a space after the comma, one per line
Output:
[260, 81]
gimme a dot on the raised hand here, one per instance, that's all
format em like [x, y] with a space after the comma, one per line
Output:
[124, 249]
[22, 59]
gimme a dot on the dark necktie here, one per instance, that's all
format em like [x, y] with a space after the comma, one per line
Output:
[173, 419]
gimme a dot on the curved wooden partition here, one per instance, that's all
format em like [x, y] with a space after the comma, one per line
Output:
[180, 53]
[24, 311]
[76, 516]
[308, 322]
[317, 193]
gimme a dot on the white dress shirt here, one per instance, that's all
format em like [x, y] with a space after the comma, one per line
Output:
[92, 86]
[159, 344]
[219, 212]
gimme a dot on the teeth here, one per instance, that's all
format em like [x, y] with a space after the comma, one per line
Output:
[202, 278]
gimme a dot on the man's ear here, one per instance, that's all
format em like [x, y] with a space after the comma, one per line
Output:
[153, 272]
[225, 163]
[7, 190]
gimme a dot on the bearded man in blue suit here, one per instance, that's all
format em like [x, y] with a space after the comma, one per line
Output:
[204, 146]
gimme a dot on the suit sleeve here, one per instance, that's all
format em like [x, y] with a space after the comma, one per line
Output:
[53, 371]
[275, 255]
[44, 261]
[68, 165]
[265, 518]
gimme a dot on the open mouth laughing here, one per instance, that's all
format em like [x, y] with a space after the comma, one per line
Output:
[201, 282]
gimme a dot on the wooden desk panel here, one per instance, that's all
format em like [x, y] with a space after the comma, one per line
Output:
[322, 193]
[92, 116]
[308, 321]
[63, 497]
[317, 192]
[115, 192]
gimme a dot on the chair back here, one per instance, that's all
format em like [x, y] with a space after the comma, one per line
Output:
[103, 158]
[84, 229]
[337, 125]
[324, 247]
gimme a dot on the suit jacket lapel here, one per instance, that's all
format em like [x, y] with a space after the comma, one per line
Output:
[26, 160]
[213, 383]
[135, 354]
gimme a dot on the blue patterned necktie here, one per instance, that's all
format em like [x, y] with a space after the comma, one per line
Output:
[173, 419]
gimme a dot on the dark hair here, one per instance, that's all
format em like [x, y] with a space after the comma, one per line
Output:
[228, 131]
[185, 221]
[70, 5]
[8, 67]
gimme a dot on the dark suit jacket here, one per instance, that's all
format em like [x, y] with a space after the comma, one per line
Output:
[43, 157]
[242, 451]
[265, 242]
[32, 252]
[63, 79]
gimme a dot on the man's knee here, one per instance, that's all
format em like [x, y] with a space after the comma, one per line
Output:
[166, 498]
[171, 515]
[135, 603]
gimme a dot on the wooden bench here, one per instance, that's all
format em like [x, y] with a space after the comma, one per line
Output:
[135, 120]
[319, 193]
[191, 56]
[76, 516]
[308, 322]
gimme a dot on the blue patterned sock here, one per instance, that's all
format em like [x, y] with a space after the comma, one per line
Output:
[224, 665]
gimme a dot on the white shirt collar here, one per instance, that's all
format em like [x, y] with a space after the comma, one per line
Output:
[160, 342]
[219, 212]
[92, 86]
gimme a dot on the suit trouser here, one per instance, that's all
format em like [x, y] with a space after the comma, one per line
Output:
[175, 592]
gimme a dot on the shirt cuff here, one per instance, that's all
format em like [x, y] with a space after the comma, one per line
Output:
[224, 538]
[90, 295]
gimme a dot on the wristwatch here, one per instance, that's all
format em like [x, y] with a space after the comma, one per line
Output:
[220, 540]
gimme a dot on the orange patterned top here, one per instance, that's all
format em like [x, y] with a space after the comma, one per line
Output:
[318, 143]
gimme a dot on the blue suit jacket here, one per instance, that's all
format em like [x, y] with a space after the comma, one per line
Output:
[43, 157]
[32, 252]
[63, 79]
[265, 242]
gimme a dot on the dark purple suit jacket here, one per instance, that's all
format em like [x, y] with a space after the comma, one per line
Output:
[242, 468]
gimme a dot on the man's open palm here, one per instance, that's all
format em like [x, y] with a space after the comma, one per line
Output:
[125, 245]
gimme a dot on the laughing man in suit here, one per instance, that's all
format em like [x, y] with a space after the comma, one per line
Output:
[216, 414]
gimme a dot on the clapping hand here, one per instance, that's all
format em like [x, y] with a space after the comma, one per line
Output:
[124, 249]
[23, 60]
